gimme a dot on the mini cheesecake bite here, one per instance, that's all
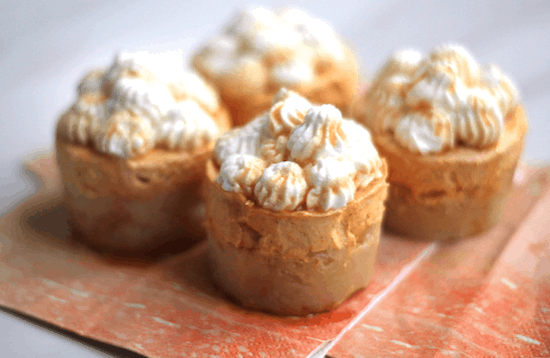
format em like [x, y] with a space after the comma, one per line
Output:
[260, 51]
[132, 151]
[452, 132]
[294, 203]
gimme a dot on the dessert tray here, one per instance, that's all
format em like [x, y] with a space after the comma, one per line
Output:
[483, 296]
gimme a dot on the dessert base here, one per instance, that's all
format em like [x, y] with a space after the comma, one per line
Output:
[293, 287]
[135, 205]
[292, 263]
[451, 195]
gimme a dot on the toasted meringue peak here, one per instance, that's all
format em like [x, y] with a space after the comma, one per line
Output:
[259, 34]
[320, 136]
[151, 100]
[281, 187]
[288, 111]
[402, 62]
[313, 157]
[488, 121]
[463, 63]
[141, 101]
[501, 87]
[126, 135]
[244, 140]
[91, 83]
[275, 150]
[188, 126]
[418, 133]
[440, 101]
[240, 173]
[332, 184]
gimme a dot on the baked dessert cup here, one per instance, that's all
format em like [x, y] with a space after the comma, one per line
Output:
[260, 51]
[451, 167]
[131, 168]
[133, 205]
[457, 194]
[292, 263]
[277, 241]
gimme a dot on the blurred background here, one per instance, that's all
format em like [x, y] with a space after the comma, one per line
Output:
[46, 46]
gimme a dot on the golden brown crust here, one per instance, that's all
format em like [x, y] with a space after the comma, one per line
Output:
[142, 178]
[152, 197]
[132, 205]
[293, 287]
[452, 194]
[335, 83]
[135, 204]
[295, 252]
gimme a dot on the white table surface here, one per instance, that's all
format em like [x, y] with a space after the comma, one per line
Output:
[46, 46]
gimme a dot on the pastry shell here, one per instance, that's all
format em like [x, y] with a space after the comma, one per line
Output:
[454, 194]
[141, 204]
[292, 263]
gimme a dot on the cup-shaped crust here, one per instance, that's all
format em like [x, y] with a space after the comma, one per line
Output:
[455, 194]
[292, 263]
[134, 205]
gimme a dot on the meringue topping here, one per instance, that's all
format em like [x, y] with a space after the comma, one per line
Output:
[142, 101]
[436, 102]
[298, 157]
[285, 47]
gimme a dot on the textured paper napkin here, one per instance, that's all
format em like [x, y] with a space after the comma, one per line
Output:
[487, 296]
[170, 307]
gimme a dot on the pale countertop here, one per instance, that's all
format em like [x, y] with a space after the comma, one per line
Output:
[46, 46]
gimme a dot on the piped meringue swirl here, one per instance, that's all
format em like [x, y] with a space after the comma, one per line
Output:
[286, 46]
[281, 187]
[332, 182]
[240, 173]
[298, 157]
[320, 136]
[437, 102]
[142, 101]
